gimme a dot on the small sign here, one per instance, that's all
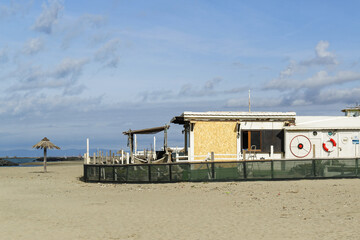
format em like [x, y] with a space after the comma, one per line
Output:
[355, 141]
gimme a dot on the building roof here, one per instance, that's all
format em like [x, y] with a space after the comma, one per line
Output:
[356, 108]
[147, 130]
[256, 116]
[324, 123]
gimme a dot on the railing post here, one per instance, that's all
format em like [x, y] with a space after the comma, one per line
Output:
[149, 169]
[99, 173]
[244, 166]
[212, 165]
[314, 167]
[85, 173]
[113, 170]
[127, 174]
[170, 171]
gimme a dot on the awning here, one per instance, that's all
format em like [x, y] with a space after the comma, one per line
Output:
[178, 120]
[147, 130]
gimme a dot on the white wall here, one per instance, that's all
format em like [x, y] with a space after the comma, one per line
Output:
[261, 125]
[343, 138]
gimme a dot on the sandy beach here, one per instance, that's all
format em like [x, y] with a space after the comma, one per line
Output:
[56, 205]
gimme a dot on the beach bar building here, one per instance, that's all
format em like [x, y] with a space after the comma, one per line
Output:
[237, 146]
[269, 135]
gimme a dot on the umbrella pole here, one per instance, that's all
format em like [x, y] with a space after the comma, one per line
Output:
[44, 159]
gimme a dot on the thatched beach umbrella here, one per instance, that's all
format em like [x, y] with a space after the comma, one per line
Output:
[45, 144]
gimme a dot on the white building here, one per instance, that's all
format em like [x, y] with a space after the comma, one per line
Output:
[269, 135]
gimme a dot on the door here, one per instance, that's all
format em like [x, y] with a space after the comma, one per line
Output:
[345, 145]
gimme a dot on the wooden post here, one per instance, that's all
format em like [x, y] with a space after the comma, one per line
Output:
[122, 156]
[87, 151]
[154, 153]
[45, 150]
[314, 154]
[131, 147]
[186, 140]
[177, 155]
[94, 159]
[212, 156]
[165, 140]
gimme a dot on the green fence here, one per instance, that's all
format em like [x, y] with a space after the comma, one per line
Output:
[223, 171]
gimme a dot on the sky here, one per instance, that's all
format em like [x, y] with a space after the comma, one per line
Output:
[71, 70]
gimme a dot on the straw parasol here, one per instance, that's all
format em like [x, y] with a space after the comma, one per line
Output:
[45, 144]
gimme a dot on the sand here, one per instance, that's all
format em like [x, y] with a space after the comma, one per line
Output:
[56, 205]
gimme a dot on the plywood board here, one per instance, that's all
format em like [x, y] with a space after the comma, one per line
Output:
[215, 136]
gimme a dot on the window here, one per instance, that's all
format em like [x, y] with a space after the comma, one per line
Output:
[263, 139]
[251, 140]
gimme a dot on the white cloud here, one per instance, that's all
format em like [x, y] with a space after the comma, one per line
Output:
[42, 104]
[78, 27]
[62, 77]
[44, 23]
[74, 90]
[14, 8]
[321, 50]
[290, 70]
[69, 68]
[210, 84]
[92, 20]
[211, 89]
[320, 79]
[339, 95]
[323, 57]
[108, 53]
[33, 46]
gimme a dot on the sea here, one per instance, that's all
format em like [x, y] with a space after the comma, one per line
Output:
[20, 160]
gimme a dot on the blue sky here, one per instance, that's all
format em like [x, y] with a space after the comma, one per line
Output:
[76, 69]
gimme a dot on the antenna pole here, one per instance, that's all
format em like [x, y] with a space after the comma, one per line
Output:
[249, 102]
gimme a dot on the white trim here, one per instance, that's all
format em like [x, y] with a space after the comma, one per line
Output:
[191, 153]
[238, 142]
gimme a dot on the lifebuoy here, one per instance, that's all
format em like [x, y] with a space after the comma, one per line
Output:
[333, 143]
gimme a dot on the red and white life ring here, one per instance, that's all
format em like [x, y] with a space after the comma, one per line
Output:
[332, 146]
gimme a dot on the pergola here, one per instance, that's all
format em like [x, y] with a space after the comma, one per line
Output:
[154, 130]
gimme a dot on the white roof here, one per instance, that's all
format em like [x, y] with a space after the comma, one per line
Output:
[238, 115]
[325, 122]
